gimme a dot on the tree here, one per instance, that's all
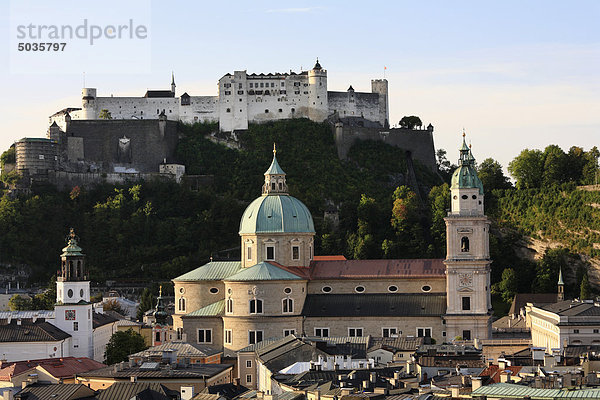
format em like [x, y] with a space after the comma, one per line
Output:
[547, 270]
[104, 114]
[527, 169]
[122, 344]
[146, 303]
[590, 171]
[8, 157]
[556, 166]
[585, 290]
[491, 175]
[439, 205]
[508, 284]
[411, 122]
[113, 305]
[20, 303]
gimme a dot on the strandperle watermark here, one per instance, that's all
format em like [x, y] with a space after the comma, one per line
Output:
[112, 36]
[84, 31]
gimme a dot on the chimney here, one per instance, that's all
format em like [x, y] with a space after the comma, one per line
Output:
[501, 363]
[133, 379]
[505, 376]
[475, 383]
[455, 390]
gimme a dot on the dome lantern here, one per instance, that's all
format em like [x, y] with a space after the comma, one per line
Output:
[274, 178]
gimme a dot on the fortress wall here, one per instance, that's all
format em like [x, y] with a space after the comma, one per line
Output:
[147, 147]
[357, 104]
[68, 180]
[201, 109]
[138, 107]
[418, 142]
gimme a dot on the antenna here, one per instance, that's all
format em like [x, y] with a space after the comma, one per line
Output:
[384, 69]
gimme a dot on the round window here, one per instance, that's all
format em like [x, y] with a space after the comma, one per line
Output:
[229, 291]
[214, 290]
[326, 289]
[70, 293]
[464, 196]
[474, 197]
[392, 288]
[455, 197]
[359, 289]
[287, 290]
[80, 292]
[181, 290]
[426, 288]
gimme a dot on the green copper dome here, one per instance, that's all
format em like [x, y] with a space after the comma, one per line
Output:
[276, 214]
[465, 176]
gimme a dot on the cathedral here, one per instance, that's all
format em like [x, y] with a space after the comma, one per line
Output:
[280, 287]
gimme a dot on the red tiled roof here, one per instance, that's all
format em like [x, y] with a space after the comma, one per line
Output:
[360, 269]
[57, 367]
[494, 371]
[329, 258]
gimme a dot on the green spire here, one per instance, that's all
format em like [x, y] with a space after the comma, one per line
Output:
[160, 315]
[274, 169]
[72, 248]
[465, 176]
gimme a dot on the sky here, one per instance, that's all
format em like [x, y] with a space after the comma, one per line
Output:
[513, 74]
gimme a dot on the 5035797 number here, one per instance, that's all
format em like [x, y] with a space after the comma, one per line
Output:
[48, 46]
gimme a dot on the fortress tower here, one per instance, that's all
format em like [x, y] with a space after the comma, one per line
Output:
[318, 106]
[468, 255]
[88, 103]
[73, 312]
[380, 86]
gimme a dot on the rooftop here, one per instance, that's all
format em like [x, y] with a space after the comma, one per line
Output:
[31, 332]
[212, 271]
[58, 367]
[263, 271]
[512, 391]
[385, 269]
[192, 371]
[182, 349]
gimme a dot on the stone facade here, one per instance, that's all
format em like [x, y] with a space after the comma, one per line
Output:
[243, 98]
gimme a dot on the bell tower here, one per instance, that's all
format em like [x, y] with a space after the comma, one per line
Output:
[468, 299]
[73, 311]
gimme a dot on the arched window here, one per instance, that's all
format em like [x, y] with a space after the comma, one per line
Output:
[272, 185]
[464, 244]
[182, 304]
[280, 186]
[256, 306]
[287, 305]
[229, 306]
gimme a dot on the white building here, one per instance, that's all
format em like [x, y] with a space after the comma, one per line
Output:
[243, 98]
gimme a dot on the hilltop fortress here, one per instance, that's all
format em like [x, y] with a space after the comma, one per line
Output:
[113, 139]
[244, 98]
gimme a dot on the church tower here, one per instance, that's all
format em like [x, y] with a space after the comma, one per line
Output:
[73, 311]
[468, 300]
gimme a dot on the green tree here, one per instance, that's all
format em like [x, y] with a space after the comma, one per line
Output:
[548, 268]
[122, 344]
[411, 122]
[146, 303]
[104, 114]
[556, 166]
[491, 175]
[20, 303]
[508, 284]
[590, 173]
[585, 290]
[439, 205]
[8, 157]
[527, 169]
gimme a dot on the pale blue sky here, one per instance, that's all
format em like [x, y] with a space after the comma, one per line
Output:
[514, 74]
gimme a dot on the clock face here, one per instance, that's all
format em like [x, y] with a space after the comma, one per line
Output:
[70, 315]
[465, 279]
